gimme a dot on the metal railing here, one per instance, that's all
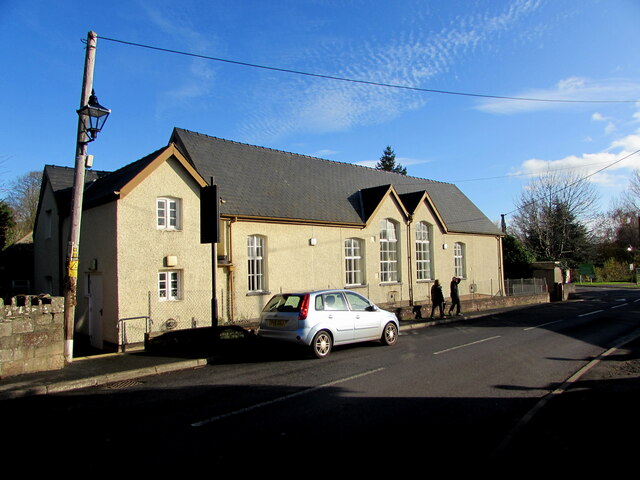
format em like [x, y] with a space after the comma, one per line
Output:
[525, 286]
[132, 330]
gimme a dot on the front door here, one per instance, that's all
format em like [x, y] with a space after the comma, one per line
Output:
[94, 293]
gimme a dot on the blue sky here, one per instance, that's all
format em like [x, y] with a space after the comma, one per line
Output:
[570, 49]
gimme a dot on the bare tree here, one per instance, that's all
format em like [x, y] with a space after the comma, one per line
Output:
[553, 211]
[631, 197]
[22, 198]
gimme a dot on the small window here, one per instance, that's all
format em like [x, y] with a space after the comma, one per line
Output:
[388, 251]
[256, 264]
[353, 260]
[357, 302]
[423, 251]
[168, 213]
[334, 301]
[49, 224]
[459, 260]
[169, 285]
[284, 303]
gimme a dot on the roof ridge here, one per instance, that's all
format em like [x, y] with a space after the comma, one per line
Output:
[309, 156]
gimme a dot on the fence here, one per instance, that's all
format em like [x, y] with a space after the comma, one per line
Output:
[524, 286]
[191, 310]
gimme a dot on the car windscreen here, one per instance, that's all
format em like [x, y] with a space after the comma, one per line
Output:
[284, 303]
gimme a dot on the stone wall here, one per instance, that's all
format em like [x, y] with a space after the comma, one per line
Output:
[31, 335]
[469, 305]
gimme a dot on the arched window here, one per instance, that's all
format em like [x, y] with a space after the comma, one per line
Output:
[353, 261]
[256, 268]
[423, 251]
[389, 250]
[459, 260]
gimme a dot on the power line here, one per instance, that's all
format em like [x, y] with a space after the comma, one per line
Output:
[364, 82]
[528, 174]
[576, 182]
[389, 85]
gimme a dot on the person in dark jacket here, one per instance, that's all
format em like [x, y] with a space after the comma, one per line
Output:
[455, 296]
[437, 298]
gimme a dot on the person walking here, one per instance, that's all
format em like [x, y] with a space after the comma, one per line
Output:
[455, 296]
[437, 298]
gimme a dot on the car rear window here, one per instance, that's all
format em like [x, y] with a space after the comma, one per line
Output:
[284, 303]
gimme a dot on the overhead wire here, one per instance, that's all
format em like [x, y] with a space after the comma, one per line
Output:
[576, 182]
[396, 86]
[353, 80]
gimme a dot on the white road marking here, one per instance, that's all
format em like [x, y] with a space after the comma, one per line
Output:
[282, 399]
[466, 345]
[590, 313]
[621, 305]
[543, 325]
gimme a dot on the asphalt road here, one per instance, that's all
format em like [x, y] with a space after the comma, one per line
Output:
[442, 394]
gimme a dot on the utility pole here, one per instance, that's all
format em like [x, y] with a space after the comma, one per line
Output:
[71, 270]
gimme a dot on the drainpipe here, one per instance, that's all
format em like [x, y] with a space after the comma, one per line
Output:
[231, 274]
[500, 269]
[409, 260]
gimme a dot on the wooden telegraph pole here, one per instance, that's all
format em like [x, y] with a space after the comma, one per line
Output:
[71, 270]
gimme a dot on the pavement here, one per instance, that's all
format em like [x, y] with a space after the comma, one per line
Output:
[597, 406]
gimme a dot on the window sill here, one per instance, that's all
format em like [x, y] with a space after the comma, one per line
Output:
[354, 287]
[262, 292]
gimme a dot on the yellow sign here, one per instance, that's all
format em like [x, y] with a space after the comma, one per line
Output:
[73, 268]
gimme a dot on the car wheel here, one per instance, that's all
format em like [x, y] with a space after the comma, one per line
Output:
[321, 344]
[390, 334]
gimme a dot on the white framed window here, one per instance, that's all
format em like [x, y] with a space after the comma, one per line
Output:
[256, 263]
[168, 213]
[388, 251]
[423, 251]
[169, 285]
[459, 260]
[49, 224]
[353, 264]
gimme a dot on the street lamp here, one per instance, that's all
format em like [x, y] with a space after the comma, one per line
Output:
[92, 117]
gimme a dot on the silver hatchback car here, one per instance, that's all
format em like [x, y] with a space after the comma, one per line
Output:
[326, 318]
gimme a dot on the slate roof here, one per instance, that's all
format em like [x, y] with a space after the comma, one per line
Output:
[262, 182]
[100, 186]
[266, 183]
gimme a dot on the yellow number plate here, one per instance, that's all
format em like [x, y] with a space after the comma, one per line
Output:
[276, 322]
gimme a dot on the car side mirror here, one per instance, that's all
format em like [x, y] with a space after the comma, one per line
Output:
[371, 308]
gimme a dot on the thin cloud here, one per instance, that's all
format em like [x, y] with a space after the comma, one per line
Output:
[588, 163]
[410, 55]
[197, 81]
[573, 88]
[324, 153]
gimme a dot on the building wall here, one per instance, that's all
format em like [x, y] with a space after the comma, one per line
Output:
[123, 252]
[144, 251]
[46, 239]
[483, 259]
[293, 263]
[97, 272]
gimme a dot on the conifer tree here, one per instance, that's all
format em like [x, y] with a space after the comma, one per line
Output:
[387, 162]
